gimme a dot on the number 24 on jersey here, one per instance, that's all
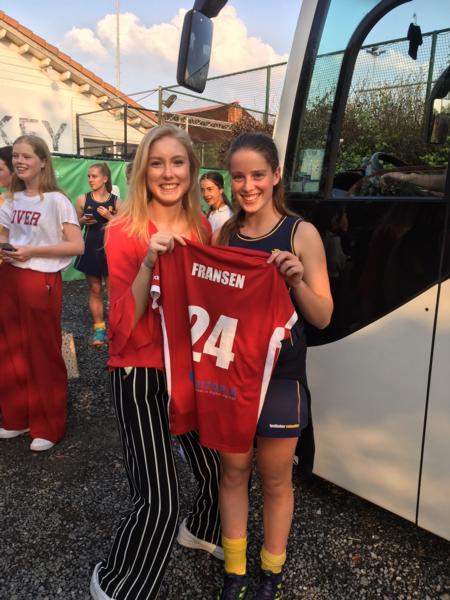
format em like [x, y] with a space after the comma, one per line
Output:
[220, 341]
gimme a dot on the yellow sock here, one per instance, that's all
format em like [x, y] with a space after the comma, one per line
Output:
[235, 551]
[272, 562]
[100, 325]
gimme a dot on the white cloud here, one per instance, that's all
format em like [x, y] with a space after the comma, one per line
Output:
[233, 48]
[84, 40]
[160, 40]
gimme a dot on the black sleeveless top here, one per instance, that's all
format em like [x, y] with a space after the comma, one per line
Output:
[93, 261]
[291, 363]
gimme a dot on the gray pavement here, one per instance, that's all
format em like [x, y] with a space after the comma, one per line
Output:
[58, 511]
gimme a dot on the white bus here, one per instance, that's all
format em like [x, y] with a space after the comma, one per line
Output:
[380, 373]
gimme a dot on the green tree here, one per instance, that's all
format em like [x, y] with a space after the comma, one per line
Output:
[246, 124]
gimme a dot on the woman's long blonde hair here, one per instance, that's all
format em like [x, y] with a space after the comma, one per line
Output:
[47, 177]
[134, 210]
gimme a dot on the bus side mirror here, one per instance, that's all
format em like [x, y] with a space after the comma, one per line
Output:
[195, 51]
[210, 8]
[437, 117]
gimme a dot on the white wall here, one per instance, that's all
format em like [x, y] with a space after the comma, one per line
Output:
[35, 100]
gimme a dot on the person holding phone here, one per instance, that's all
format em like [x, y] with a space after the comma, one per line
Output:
[41, 224]
[94, 210]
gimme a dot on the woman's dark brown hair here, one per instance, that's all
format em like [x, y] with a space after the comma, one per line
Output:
[264, 145]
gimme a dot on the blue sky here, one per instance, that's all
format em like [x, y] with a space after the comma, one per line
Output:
[251, 33]
[53, 20]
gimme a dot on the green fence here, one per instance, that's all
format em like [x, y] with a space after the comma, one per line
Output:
[383, 64]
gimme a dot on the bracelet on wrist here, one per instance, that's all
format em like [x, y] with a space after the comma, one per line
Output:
[147, 264]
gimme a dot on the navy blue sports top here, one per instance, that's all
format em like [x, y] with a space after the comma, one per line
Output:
[291, 363]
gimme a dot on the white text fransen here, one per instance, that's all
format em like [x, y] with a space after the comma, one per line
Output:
[218, 276]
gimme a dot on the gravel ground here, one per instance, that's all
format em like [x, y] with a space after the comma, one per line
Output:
[59, 509]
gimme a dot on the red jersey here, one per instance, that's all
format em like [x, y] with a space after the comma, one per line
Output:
[130, 345]
[224, 313]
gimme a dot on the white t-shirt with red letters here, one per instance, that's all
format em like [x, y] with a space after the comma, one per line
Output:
[38, 221]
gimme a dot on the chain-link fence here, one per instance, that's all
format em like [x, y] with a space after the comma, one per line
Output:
[386, 65]
[257, 92]
[379, 65]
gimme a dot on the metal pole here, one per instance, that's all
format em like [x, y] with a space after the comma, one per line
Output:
[431, 67]
[118, 44]
[77, 121]
[160, 105]
[430, 74]
[266, 110]
[125, 131]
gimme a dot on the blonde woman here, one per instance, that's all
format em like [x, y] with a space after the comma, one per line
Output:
[42, 230]
[161, 210]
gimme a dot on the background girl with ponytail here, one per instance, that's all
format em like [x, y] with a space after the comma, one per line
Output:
[94, 210]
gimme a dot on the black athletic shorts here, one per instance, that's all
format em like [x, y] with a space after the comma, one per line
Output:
[285, 410]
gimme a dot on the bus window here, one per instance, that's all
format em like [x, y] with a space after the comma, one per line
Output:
[384, 147]
[383, 225]
[340, 23]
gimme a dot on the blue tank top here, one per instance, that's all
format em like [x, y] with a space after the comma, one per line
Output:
[110, 204]
[291, 363]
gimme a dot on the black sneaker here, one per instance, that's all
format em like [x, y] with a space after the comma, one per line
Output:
[234, 587]
[270, 586]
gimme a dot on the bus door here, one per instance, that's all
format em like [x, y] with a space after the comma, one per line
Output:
[357, 164]
[434, 490]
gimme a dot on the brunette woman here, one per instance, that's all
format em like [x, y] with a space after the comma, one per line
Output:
[295, 247]
[213, 192]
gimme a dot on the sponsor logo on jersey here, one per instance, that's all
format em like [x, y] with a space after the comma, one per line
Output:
[212, 388]
[218, 276]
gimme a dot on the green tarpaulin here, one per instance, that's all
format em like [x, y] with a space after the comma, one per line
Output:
[72, 178]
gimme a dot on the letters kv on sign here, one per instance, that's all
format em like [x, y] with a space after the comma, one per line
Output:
[33, 113]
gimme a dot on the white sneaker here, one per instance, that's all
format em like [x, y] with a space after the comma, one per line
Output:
[6, 434]
[39, 445]
[188, 540]
[96, 591]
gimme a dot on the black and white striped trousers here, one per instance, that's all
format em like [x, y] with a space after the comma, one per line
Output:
[141, 549]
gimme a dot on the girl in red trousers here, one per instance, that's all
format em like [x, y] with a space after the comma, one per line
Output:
[42, 234]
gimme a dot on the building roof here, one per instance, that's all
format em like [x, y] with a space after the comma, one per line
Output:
[70, 70]
[201, 121]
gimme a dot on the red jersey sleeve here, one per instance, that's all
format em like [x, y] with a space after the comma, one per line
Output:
[124, 256]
